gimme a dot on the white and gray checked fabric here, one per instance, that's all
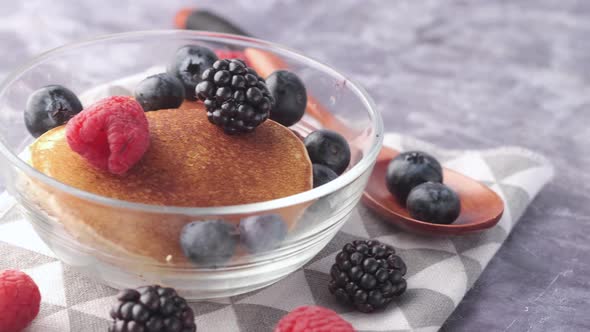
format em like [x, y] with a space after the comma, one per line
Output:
[440, 269]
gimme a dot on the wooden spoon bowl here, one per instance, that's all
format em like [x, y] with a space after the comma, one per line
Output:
[481, 208]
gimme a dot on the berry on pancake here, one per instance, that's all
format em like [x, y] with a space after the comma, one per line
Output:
[158, 92]
[112, 134]
[236, 98]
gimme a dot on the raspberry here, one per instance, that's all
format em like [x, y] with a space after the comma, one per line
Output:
[19, 301]
[229, 54]
[313, 319]
[112, 134]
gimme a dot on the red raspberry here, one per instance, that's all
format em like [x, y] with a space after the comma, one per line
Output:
[112, 134]
[19, 301]
[228, 54]
[313, 319]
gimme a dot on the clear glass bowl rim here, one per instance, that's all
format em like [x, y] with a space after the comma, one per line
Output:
[251, 208]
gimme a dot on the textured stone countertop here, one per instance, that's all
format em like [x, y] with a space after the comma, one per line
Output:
[461, 74]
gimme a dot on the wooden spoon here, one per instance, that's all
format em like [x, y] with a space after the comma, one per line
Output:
[481, 208]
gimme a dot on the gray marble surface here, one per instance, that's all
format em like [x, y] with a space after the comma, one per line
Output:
[461, 74]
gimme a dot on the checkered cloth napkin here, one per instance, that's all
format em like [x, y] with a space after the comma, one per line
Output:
[440, 269]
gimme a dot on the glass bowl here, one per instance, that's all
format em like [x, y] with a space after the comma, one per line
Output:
[112, 65]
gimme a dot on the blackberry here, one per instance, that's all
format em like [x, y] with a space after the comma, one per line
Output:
[367, 275]
[151, 309]
[236, 98]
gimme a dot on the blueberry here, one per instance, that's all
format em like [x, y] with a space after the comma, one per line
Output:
[188, 66]
[208, 242]
[318, 211]
[290, 97]
[262, 233]
[322, 175]
[410, 169]
[161, 91]
[328, 148]
[434, 202]
[50, 107]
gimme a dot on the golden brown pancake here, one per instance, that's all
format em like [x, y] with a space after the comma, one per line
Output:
[190, 162]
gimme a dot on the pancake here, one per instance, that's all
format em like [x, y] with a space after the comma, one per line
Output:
[190, 163]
